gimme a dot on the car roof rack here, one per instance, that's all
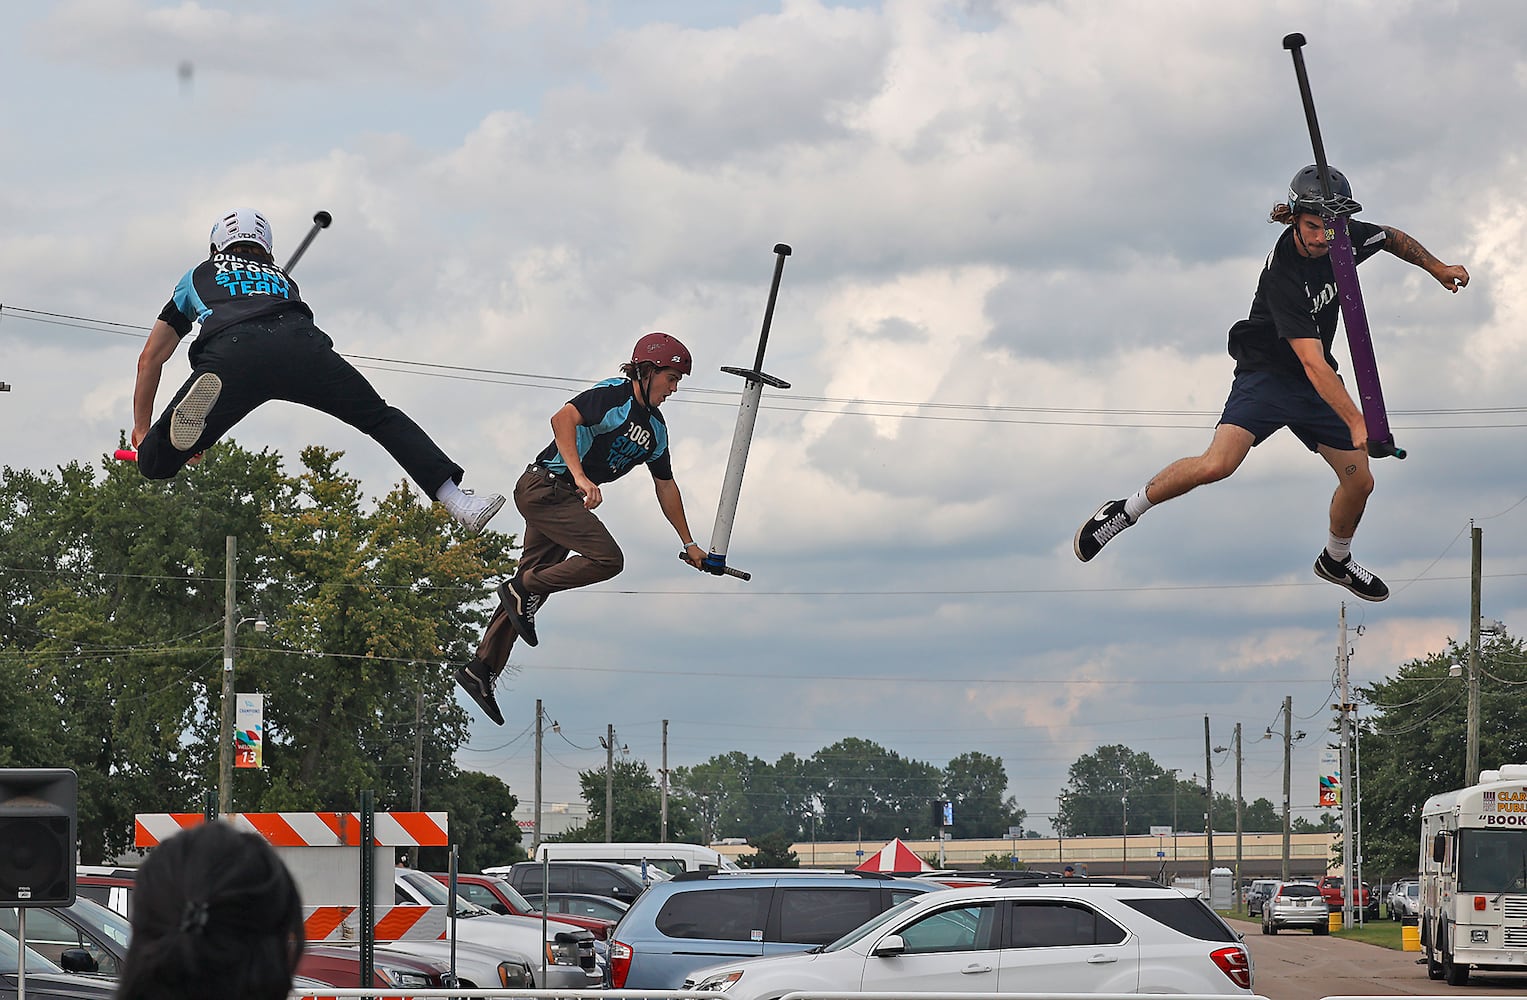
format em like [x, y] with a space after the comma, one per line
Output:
[1098, 880]
[705, 873]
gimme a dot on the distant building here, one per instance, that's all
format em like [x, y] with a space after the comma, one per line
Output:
[556, 818]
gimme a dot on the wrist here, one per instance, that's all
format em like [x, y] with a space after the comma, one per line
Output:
[687, 544]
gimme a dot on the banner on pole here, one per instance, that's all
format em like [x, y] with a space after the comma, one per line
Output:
[249, 731]
[1330, 779]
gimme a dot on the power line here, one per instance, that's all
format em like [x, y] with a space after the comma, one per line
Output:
[846, 406]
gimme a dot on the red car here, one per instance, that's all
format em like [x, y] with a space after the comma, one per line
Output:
[1362, 898]
[498, 895]
[340, 965]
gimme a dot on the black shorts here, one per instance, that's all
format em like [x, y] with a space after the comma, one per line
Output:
[1262, 402]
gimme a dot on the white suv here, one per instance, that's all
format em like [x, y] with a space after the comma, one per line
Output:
[1023, 935]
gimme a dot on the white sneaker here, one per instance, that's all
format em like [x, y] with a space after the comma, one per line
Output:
[476, 512]
[190, 417]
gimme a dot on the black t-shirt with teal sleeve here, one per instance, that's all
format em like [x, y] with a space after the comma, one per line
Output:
[1296, 299]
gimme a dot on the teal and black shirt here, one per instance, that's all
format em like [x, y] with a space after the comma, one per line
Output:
[617, 434]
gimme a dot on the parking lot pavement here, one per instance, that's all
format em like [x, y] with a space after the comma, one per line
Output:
[1295, 965]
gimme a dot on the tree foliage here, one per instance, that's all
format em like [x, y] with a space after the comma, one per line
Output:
[111, 635]
[1413, 745]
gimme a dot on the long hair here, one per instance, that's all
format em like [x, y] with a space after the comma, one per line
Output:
[214, 913]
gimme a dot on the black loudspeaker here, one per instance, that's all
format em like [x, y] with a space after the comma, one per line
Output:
[37, 823]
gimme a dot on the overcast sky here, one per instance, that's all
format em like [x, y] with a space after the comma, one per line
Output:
[1021, 231]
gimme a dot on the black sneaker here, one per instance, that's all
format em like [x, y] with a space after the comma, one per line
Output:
[477, 680]
[520, 605]
[1347, 573]
[1099, 530]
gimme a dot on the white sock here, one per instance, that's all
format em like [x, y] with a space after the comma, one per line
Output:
[1339, 549]
[1137, 505]
[450, 494]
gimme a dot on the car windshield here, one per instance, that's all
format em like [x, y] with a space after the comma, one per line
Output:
[509, 892]
[104, 920]
[1492, 860]
[872, 925]
[438, 895]
[9, 949]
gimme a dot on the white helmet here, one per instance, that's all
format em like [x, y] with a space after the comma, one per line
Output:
[242, 225]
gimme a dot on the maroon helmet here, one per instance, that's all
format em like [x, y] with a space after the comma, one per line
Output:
[662, 350]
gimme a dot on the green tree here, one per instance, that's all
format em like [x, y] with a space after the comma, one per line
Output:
[736, 795]
[114, 616]
[637, 814]
[977, 786]
[481, 807]
[1093, 801]
[772, 850]
[867, 792]
[1414, 740]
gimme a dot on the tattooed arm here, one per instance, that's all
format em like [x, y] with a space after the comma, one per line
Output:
[1404, 246]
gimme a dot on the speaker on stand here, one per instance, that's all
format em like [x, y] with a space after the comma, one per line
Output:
[37, 838]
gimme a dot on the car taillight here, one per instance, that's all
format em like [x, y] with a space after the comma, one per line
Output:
[1235, 963]
[620, 963]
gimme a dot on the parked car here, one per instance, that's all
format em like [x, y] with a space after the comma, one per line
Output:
[570, 960]
[1261, 888]
[576, 903]
[477, 967]
[1362, 897]
[1296, 904]
[340, 965]
[1405, 901]
[84, 937]
[45, 978]
[598, 878]
[705, 917]
[113, 891]
[1021, 936]
[494, 892]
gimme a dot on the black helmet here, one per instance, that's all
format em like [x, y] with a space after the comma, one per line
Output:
[1306, 195]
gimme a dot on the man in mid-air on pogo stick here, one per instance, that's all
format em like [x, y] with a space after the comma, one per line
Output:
[1285, 376]
[598, 436]
[258, 343]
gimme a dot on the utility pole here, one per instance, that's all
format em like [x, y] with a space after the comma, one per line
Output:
[225, 729]
[1288, 755]
[1347, 883]
[1471, 752]
[662, 830]
[535, 834]
[1209, 805]
[413, 852]
[609, 784]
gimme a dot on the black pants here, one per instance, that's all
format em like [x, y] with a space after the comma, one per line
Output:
[288, 358]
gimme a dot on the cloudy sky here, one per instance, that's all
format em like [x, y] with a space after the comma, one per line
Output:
[1021, 231]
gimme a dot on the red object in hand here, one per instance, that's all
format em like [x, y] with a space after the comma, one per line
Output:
[125, 455]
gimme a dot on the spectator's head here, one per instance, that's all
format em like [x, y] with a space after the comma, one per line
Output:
[1069, 870]
[215, 913]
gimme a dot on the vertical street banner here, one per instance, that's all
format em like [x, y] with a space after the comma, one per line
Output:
[249, 731]
[1330, 779]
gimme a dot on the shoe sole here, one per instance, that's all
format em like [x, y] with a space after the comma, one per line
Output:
[478, 523]
[189, 420]
[1347, 585]
[486, 703]
[511, 601]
